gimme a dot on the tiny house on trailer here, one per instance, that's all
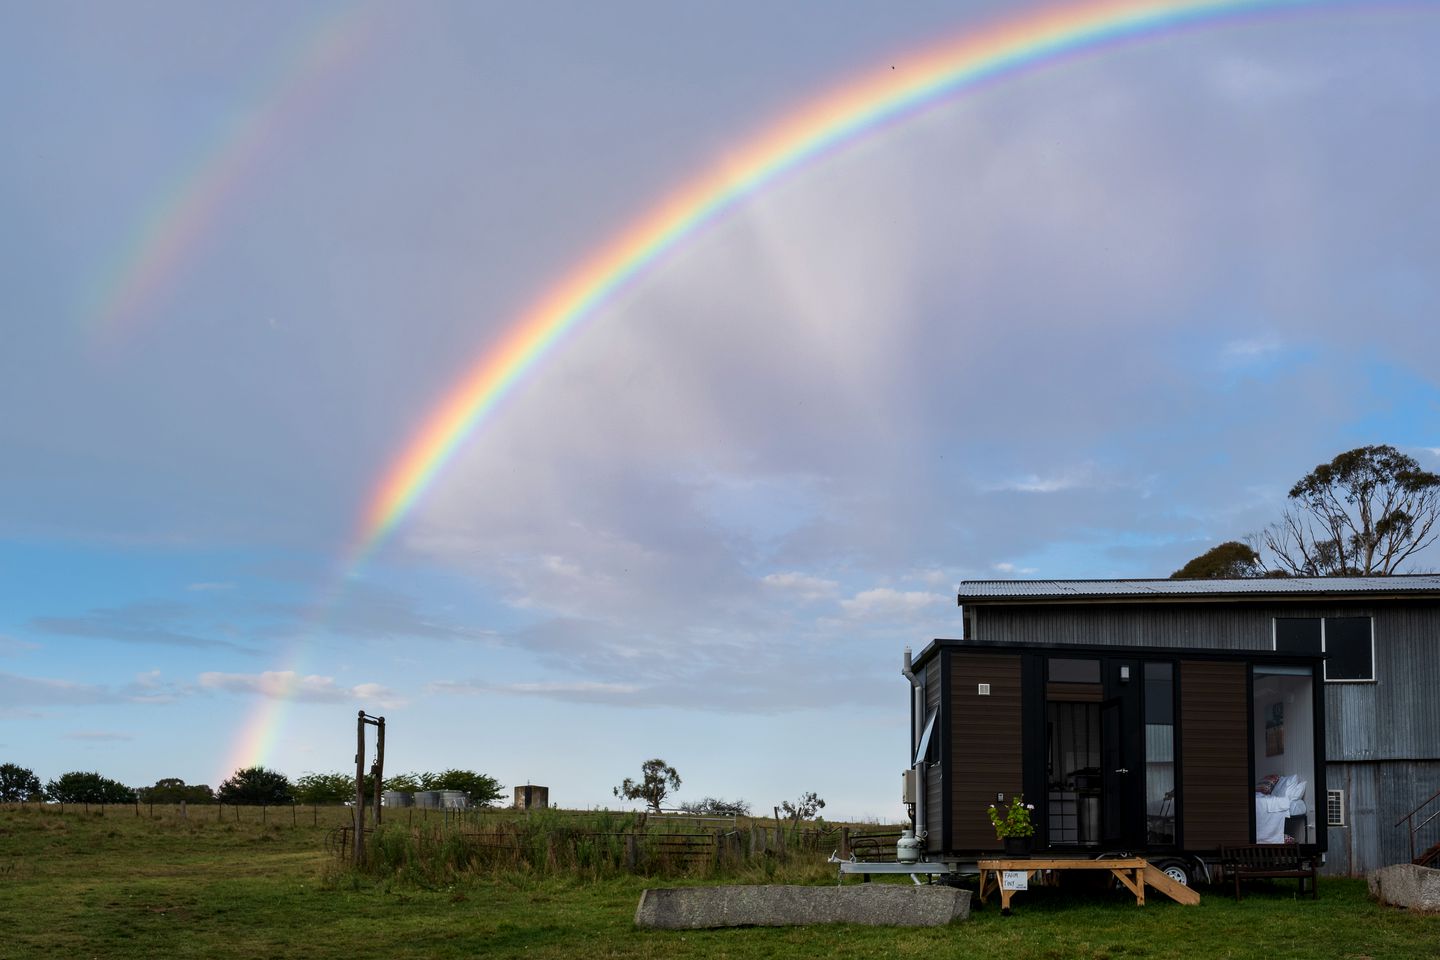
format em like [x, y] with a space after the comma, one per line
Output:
[1163, 752]
[1377, 722]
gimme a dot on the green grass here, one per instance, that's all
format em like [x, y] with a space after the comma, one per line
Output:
[124, 886]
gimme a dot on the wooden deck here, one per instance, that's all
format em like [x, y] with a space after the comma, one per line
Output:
[1134, 873]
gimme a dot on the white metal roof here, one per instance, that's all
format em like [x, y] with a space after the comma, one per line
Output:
[981, 590]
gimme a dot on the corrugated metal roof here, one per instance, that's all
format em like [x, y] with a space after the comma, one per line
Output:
[978, 590]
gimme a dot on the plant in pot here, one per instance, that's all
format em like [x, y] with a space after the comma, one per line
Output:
[1014, 826]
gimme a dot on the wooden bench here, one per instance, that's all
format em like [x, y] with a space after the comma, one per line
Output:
[1256, 860]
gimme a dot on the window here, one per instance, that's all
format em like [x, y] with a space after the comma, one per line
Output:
[1347, 642]
[1074, 671]
[1299, 635]
[1335, 808]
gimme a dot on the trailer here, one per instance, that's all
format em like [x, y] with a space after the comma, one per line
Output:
[1172, 754]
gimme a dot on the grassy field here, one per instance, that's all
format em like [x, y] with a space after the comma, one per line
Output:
[118, 885]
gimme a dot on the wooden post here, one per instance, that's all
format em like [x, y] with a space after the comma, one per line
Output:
[264, 813]
[379, 765]
[844, 853]
[184, 813]
[359, 857]
[632, 852]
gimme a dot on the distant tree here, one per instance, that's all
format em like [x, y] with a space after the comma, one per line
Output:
[175, 790]
[256, 785]
[1230, 559]
[808, 807]
[481, 789]
[716, 807]
[315, 788]
[18, 784]
[404, 782]
[81, 787]
[657, 781]
[1364, 513]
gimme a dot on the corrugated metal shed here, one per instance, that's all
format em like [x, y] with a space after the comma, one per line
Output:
[979, 591]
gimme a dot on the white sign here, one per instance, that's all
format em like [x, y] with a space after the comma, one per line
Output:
[1014, 880]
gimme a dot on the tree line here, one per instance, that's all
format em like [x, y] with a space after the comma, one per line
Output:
[248, 785]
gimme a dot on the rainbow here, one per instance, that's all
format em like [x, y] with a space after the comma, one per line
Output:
[884, 96]
[172, 229]
[832, 121]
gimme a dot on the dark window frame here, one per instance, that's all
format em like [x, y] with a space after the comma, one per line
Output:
[1275, 644]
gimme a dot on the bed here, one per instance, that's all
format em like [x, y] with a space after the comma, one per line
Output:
[1276, 798]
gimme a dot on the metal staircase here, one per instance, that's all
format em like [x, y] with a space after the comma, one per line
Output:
[1430, 857]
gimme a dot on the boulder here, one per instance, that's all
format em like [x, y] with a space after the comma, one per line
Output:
[1407, 885]
[774, 905]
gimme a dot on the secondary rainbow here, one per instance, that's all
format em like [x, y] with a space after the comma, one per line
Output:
[888, 94]
[187, 209]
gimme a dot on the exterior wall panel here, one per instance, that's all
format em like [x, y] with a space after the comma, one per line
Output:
[987, 744]
[1395, 717]
[1215, 752]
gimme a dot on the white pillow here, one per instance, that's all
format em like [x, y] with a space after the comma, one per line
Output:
[1295, 790]
[1282, 785]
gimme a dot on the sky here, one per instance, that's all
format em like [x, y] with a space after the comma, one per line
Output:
[1082, 319]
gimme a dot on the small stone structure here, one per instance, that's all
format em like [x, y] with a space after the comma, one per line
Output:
[532, 797]
[770, 905]
[1407, 885]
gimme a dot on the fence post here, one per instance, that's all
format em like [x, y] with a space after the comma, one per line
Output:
[844, 843]
[632, 852]
[184, 814]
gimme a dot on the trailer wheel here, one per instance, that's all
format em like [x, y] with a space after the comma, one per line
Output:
[1176, 870]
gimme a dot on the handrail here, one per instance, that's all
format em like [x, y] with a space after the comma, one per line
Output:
[1409, 820]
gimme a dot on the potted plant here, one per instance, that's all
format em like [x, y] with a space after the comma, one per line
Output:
[1014, 826]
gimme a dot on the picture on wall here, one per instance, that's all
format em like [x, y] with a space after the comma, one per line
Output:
[1275, 730]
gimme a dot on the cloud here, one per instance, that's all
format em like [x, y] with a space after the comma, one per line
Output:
[160, 624]
[1249, 349]
[592, 691]
[207, 587]
[11, 647]
[16, 690]
[1010, 569]
[884, 602]
[804, 586]
[288, 685]
[1060, 481]
[1263, 83]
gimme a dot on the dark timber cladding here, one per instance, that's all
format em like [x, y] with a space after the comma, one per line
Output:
[1214, 706]
[986, 744]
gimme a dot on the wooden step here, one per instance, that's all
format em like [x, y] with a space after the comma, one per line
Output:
[1178, 892]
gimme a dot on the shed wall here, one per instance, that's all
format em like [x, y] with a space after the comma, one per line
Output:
[1377, 796]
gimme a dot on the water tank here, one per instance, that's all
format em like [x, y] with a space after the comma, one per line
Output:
[397, 798]
[454, 799]
[532, 797]
[427, 798]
